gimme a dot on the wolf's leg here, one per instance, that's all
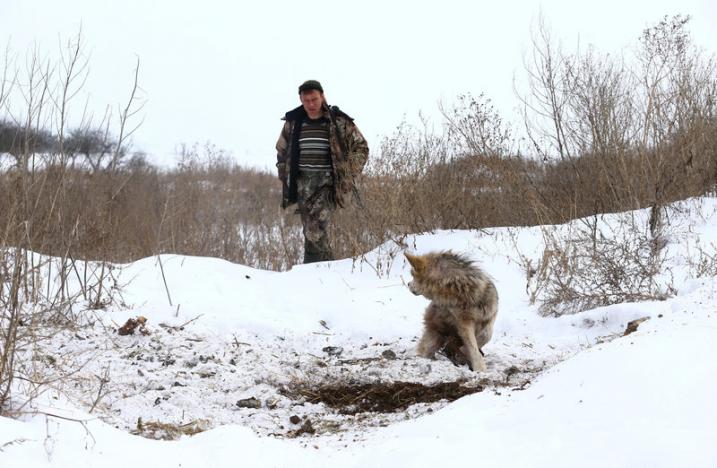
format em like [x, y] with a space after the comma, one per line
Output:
[466, 330]
[430, 342]
[484, 334]
[454, 350]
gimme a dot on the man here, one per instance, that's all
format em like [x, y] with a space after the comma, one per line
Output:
[320, 153]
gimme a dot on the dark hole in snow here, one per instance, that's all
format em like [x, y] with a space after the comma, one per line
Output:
[379, 397]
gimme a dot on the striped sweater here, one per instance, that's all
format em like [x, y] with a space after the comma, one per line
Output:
[314, 146]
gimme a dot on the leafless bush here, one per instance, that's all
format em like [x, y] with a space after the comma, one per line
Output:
[215, 208]
[703, 263]
[616, 135]
[40, 294]
[595, 265]
[621, 135]
[453, 177]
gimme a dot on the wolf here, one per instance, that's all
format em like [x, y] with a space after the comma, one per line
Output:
[463, 308]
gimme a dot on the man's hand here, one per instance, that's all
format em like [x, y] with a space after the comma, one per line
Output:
[281, 167]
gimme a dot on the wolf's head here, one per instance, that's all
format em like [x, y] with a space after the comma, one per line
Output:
[419, 264]
[445, 276]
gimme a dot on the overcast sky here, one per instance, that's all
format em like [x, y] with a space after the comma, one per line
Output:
[225, 71]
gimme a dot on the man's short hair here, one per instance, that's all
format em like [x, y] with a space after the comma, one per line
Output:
[310, 85]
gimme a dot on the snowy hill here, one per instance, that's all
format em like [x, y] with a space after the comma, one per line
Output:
[233, 354]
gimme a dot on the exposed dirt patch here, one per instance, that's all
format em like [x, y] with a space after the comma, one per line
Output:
[632, 326]
[379, 397]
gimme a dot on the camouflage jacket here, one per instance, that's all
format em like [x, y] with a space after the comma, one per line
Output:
[348, 148]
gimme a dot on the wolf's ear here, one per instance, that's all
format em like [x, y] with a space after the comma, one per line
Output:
[417, 262]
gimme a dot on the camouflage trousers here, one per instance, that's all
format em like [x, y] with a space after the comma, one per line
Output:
[316, 205]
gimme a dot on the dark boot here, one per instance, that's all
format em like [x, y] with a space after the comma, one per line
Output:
[315, 253]
[311, 253]
[311, 257]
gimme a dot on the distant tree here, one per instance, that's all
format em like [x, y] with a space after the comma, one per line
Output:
[16, 140]
[95, 145]
[138, 162]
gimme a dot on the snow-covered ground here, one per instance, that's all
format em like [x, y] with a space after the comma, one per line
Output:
[237, 353]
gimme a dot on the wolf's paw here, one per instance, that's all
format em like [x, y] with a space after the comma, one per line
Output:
[479, 366]
[425, 354]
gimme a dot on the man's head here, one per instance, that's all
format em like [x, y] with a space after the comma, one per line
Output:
[309, 85]
[311, 94]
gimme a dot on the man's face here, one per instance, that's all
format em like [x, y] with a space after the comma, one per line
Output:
[312, 101]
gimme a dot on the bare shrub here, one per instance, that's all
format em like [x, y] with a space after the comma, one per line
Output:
[215, 208]
[39, 297]
[594, 265]
[457, 177]
[619, 136]
[615, 135]
[40, 213]
[703, 263]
